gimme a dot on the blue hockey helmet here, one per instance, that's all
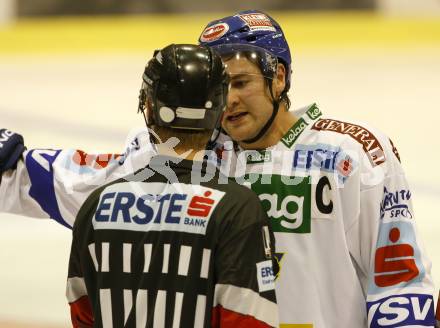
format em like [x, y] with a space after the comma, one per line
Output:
[251, 27]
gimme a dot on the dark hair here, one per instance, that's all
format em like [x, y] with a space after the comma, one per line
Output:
[188, 139]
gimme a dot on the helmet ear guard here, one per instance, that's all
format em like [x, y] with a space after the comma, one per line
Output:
[186, 86]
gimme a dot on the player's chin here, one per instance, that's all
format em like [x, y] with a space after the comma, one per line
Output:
[238, 133]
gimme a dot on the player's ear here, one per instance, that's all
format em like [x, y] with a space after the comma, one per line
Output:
[279, 82]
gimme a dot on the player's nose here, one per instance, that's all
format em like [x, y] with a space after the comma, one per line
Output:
[233, 99]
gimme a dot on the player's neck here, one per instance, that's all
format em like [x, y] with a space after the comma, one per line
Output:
[191, 154]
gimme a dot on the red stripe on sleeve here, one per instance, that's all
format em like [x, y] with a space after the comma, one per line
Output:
[81, 313]
[223, 318]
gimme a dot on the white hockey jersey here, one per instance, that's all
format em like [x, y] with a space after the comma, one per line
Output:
[55, 183]
[340, 207]
[344, 225]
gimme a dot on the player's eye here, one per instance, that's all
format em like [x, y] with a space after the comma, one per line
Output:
[239, 83]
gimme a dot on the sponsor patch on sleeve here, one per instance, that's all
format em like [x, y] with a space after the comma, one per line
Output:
[396, 204]
[83, 163]
[397, 259]
[408, 310]
[265, 276]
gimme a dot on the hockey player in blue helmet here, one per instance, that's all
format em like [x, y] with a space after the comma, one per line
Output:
[346, 259]
[254, 37]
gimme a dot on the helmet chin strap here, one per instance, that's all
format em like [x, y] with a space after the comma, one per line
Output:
[276, 106]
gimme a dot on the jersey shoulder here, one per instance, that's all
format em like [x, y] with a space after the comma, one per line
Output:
[351, 136]
[239, 204]
[89, 207]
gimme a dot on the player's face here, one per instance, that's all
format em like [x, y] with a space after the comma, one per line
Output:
[249, 104]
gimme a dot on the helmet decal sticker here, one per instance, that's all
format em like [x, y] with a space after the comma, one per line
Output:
[166, 114]
[214, 32]
[159, 57]
[258, 22]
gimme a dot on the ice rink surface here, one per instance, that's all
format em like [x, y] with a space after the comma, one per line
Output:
[89, 102]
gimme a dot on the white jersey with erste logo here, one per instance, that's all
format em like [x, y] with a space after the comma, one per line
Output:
[339, 204]
[341, 210]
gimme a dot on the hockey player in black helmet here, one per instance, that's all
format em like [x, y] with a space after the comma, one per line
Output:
[186, 87]
[190, 100]
[159, 253]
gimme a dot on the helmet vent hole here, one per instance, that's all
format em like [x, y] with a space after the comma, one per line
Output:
[251, 38]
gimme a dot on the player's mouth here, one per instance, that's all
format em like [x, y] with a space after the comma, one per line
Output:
[235, 117]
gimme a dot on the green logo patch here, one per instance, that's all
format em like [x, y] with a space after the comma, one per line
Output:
[313, 112]
[294, 132]
[256, 156]
[286, 200]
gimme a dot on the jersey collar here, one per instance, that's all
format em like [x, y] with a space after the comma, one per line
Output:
[307, 116]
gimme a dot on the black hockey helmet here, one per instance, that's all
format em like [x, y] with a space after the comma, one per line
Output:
[186, 86]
